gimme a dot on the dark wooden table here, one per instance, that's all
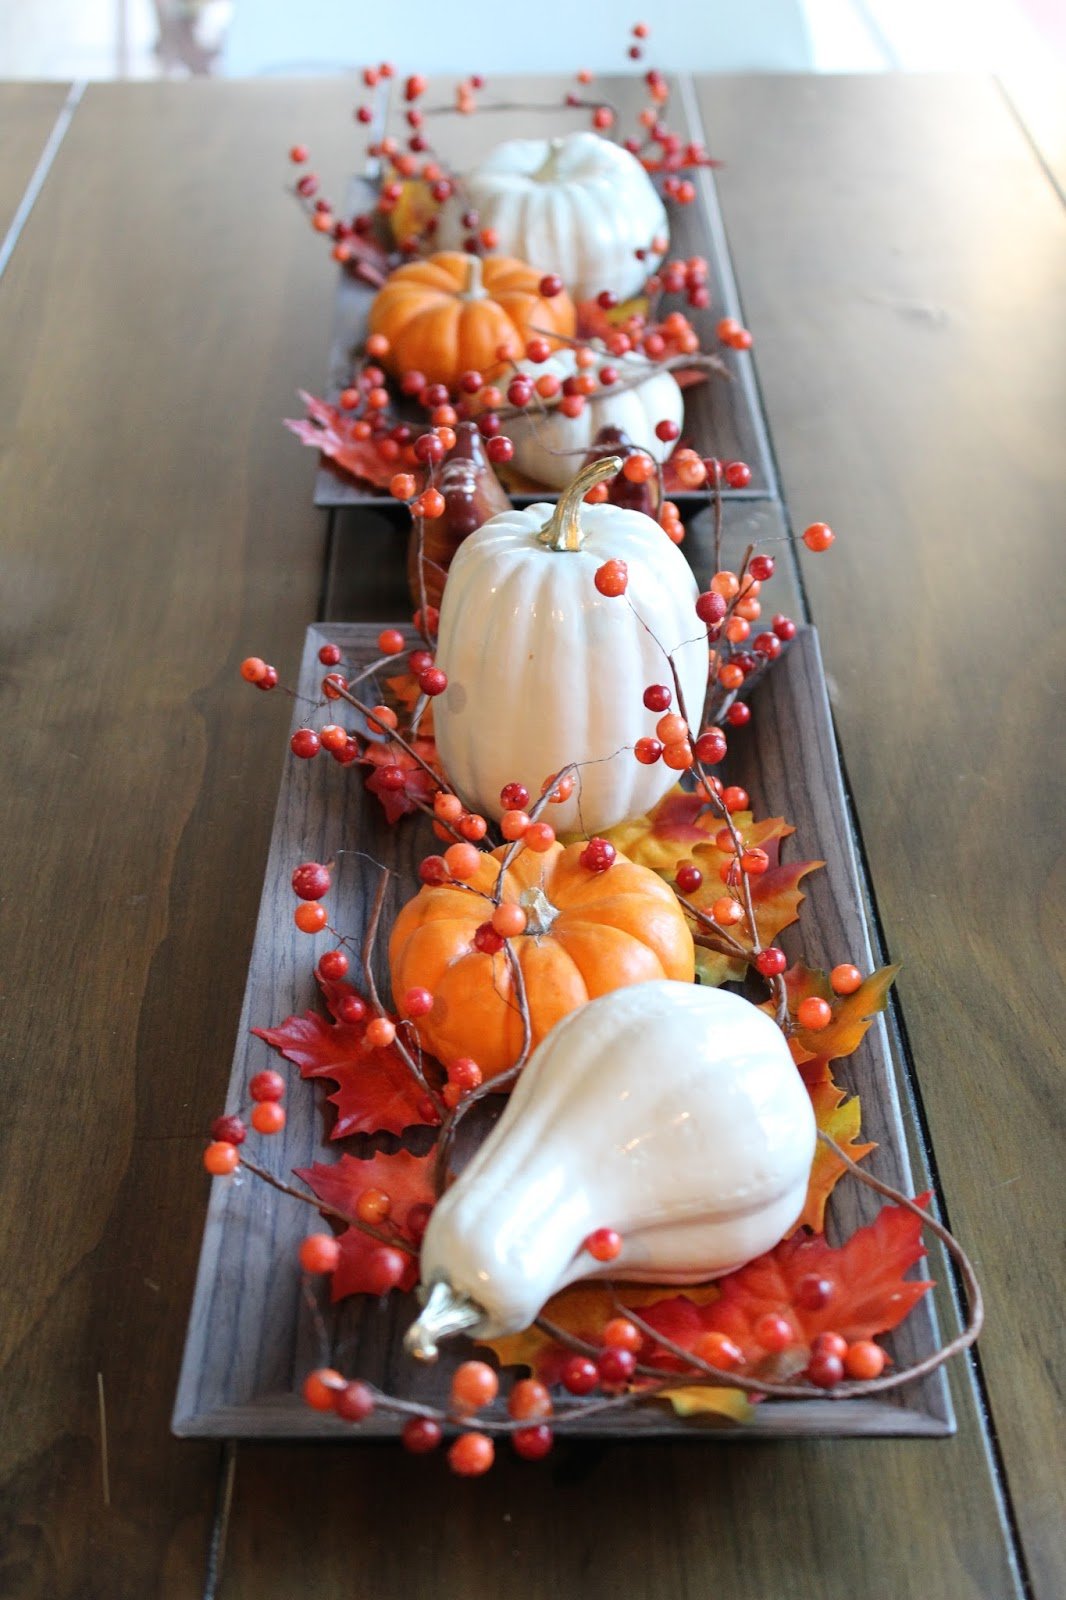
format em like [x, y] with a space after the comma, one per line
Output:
[902, 255]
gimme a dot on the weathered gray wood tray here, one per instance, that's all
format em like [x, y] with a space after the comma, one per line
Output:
[722, 416]
[251, 1336]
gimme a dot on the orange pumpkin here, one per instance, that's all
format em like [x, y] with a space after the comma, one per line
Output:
[453, 313]
[587, 933]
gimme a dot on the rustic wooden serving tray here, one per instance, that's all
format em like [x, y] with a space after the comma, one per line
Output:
[252, 1337]
[722, 416]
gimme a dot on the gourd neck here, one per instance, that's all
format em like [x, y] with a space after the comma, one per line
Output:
[445, 1312]
[549, 167]
[563, 530]
[540, 913]
[474, 288]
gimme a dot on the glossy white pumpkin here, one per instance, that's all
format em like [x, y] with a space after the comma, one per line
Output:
[670, 1112]
[580, 206]
[549, 447]
[544, 670]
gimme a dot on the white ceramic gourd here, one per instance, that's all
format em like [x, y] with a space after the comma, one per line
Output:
[548, 444]
[543, 670]
[670, 1112]
[580, 206]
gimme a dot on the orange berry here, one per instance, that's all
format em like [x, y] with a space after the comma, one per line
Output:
[564, 788]
[737, 629]
[403, 486]
[814, 1013]
[718, 1350]
[473, 827]
[377, 346]
[749, 608]
[319, 1252]
[471, 1455]
[730, 676]
[671, 728]
[373, 1205]
[462, 860]
[253, 670]
[432, 502]
[474, 1384]
[691, 472]
[320, 1387]
[509, 921]
[529, 1400]
[638, 467]
[383, 717]
[268, 1117]
[539, 836]
[723, 840]
[727, 911]
[845, 979]
[819, 536]
[726, 584]
[513, 824]
[221, 1158]
[678, 755]
[864, 1360]
[621, 1334]
[390, 641]
[310, 917]
[448, 807]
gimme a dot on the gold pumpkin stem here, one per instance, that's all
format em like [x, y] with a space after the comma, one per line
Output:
[563, 531]
[475, 288]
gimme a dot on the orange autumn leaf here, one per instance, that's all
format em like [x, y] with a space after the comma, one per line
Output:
[680, 824]
[405, 693]
[838, 1116]
[852, 1016]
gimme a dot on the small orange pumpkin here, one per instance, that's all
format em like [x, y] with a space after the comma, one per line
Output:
[453, 313]
[587, 933]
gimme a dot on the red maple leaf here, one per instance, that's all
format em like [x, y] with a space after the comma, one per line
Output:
[330, 430]
[418, 784]
[403, 1177]
[375, 1092]
[868, 1294]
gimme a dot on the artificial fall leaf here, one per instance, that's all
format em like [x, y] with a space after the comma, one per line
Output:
[672, 830]
[405, 693]
[690, 377]
[840, 1117]
[375, 1092]
[776, 895]
[419, 785]
[852, 1016]
[593, 322]
[405, 1178]
[413, 210]
[330, 430]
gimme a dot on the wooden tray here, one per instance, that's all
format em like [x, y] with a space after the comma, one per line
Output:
[722, 417]
[251, 1338]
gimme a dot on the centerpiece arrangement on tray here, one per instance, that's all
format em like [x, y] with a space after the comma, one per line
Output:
[558, 712]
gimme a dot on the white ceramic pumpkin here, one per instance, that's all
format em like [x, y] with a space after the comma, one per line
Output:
[580, 206]
[543, 670]
[549, 447]
[670, 1112]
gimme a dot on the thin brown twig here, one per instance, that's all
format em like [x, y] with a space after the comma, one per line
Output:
[407, 1056]
[396, 1242]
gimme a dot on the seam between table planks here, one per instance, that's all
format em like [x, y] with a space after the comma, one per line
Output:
[40, 172]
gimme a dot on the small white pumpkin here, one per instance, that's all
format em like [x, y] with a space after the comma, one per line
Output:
[669, 1112]
[580, 206]
[543, 670]
[548, 447]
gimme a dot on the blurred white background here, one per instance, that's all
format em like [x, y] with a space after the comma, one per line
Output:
[152, 38]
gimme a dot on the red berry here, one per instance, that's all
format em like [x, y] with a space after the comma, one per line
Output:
[351, 1009]
[829, 1344]
[333, 965]
[333, 685]
[311, 880]
[532, 1444]
[814, 1013]
[320, 1387]
[784, 627]
[354, 1402]
[433, 682]
[666, 430]
[825, 1371]
[598, 855]
[772, 1332]
[771, 962]
[648, 751]
[487, 940]
[221, 1158]
[417, 1003]
[329, 655]
[688, 878]
[383, 1270]
[228, 1130]
[604, 1244]
[421, 1435]
[734, 798]
[579, 1375]
[761, 568]
[738, 714]
[471, 1455]
[514, 797]
[767, 644]
[612, 578]
[415, 86]
[269, 680]
[298, 154]
[319, 1252]
[268, 1118]
[499, 449]
[813, 1292]
[433, 870]
[616, 1366]
[603, 117]
[711, 607]
[657, 697]
[304, 743]
[819, 536]
[711, 746]
[266, 1086]
[464, 1073]
[550, 285]
[737, 474]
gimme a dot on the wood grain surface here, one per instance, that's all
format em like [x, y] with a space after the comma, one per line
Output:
[28, 113]
[157, 527]
[910, 326]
